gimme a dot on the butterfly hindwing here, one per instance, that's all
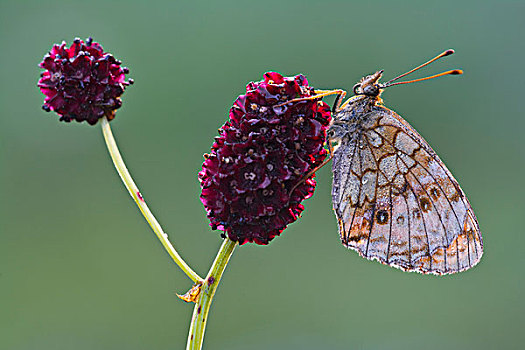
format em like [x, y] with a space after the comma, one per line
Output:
[396, 201]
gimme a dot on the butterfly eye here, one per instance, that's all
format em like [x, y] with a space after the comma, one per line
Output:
[371, 90]
[357, 88]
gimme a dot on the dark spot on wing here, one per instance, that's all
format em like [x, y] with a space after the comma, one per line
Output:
[382, 217]
[434, 193]
[425, 204]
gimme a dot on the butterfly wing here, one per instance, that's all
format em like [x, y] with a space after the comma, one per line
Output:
[396, 202]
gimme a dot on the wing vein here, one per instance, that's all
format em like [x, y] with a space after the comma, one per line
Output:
[423, 188]
[409, 245]
[370, 231]
[375, 191]
[349, 172]
[435, 180]
[358, 194]
[440, 163]
[390, 228]
[429, 150]
[424, 223]
[419, 206]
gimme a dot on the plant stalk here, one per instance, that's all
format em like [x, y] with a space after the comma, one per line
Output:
[209, 286]
[141, 203]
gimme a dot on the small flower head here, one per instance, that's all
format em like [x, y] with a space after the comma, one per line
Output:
[82, 82]
[253, 180]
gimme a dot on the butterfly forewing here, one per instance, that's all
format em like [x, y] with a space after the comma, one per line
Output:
[395, 200]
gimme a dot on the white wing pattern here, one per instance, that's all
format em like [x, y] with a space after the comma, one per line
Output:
[396, 201]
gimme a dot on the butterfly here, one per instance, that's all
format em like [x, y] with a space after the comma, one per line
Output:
[394, 199]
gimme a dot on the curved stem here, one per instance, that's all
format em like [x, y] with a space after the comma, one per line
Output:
[202, 307]
[141, 203]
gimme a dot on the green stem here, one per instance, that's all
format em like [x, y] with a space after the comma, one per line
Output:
[202, 307]
[141, 203]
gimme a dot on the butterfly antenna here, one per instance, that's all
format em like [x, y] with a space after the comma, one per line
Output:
[443, 54]
[450, 72]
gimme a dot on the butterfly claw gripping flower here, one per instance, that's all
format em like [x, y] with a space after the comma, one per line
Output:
[82, 82]
[262, 153]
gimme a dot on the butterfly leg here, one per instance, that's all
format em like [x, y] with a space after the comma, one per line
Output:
[330, 147]
[337, 103]
[318, 95]
[311, 173]
[330, 153]
[344, 104]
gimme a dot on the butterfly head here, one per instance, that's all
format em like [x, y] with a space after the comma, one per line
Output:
[369, 85]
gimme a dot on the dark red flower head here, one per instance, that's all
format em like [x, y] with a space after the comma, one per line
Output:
[250, 179]
[82, 82]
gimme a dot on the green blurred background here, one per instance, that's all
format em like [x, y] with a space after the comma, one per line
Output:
[79, 266]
